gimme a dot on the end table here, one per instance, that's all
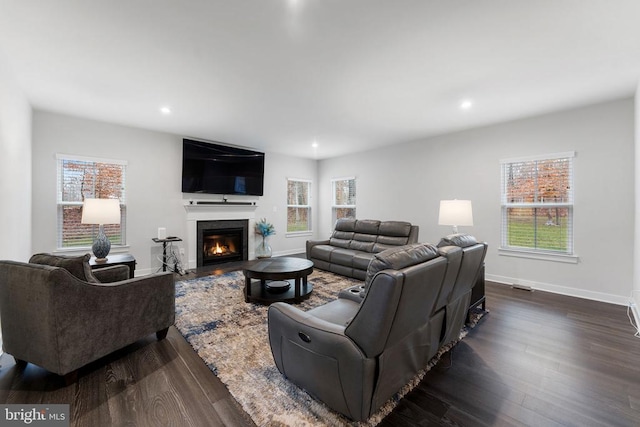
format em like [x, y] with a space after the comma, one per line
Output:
[116, 259]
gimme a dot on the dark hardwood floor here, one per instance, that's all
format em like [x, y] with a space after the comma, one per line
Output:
[537, 359]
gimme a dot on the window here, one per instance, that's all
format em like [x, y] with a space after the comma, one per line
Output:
[344, 198]
[298, 205]
[537, 204]
[80, 177]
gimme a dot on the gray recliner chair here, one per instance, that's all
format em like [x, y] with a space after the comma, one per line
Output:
[58, 315]
[354, 356]
[459, 299]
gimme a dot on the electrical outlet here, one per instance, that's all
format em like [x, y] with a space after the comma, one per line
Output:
[182, 251]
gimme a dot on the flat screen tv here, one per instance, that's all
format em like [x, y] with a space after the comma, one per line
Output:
[220, 169]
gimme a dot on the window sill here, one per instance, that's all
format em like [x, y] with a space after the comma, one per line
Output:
[544, 256]
[84, 250]
[298, 234]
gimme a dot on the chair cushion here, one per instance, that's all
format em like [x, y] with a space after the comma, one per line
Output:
[345, 224]
[367, 226]
[395, 228]
[76, 265]
[400, 257]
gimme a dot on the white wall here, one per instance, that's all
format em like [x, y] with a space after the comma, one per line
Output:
[15, 168]
[636, 257]
[154, 197]
[407, 181]
[404, 182]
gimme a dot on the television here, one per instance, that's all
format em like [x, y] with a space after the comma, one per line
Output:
[221, 169]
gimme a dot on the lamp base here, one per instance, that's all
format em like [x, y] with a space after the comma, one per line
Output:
[101, 246]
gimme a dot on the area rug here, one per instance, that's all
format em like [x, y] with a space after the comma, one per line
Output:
[231, 336]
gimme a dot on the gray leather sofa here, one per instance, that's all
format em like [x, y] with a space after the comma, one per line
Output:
[59, 314]
[355, 352]
[353, 244]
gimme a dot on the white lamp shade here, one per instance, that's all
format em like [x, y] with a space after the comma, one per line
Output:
[455, 212]
[101, 211]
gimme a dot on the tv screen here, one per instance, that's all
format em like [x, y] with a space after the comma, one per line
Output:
[220, 169]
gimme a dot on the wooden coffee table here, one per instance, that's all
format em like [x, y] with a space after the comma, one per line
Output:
[279, 279]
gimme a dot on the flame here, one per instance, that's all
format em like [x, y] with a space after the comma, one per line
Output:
[219, 247]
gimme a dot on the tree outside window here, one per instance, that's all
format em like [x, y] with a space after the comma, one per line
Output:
[298, 205]
[80, 178]
[537, 204]
[344, 198]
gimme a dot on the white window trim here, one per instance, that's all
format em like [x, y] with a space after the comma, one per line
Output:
[123, 203]
[333, 196]
[305, 232]
[538, 254]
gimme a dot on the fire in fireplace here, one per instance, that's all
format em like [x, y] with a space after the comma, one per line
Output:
[222, 241]
[222, 245]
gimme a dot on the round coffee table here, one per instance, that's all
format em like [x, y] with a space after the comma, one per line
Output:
[279, 279]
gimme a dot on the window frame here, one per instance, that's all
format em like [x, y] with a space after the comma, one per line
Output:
[334, 203]
[61, 204]
[568, 256]
[308, 206]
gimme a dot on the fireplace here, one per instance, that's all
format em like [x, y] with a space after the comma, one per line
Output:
[221, 241]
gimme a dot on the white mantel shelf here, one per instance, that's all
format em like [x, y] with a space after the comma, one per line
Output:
[204, 204]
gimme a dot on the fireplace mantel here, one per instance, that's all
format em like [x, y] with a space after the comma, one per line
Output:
[216, 211]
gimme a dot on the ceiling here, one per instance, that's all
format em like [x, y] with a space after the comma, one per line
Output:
[350, 75]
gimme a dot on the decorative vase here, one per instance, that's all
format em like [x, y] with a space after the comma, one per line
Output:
[263, 250]
[101, 246]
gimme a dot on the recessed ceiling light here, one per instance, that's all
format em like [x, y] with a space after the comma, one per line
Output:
[466, 104]
[314, 145]
[165, 110]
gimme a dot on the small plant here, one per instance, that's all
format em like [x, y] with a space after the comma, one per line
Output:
[265, 228]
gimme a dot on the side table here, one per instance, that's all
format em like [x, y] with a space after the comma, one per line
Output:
[116, 259]
[164, 248]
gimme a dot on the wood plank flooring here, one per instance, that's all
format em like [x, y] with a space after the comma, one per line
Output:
[537, 359]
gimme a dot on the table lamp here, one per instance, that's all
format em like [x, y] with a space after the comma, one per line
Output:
[101, 211]
[455, 213]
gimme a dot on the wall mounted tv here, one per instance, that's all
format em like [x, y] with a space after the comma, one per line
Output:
[220, 169]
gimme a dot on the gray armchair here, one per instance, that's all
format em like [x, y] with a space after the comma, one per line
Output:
[355, 354]
[57, 314]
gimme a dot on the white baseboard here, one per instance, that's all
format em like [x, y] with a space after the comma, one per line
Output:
[562, 290]
[289, 252]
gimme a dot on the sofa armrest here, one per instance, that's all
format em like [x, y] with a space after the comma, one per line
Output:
[114, 273]
[312, 243]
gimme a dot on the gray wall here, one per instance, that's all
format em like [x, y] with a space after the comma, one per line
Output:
[154, 197]
[15, 168]
[407, 181]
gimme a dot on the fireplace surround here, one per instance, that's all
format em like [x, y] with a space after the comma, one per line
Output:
[220, 241]
[198, 211]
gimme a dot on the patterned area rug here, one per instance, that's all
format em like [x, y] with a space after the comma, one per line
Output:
[231, 337]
